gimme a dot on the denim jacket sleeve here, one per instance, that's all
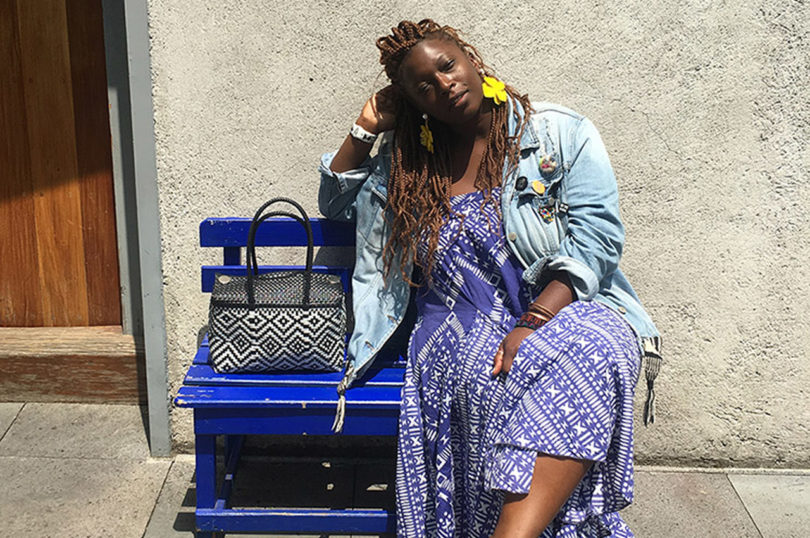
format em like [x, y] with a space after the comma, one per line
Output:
[338, 190]
[593, 241]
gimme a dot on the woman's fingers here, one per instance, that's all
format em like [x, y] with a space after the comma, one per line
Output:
[506, 361]
[379, 110]
[508, 350]
[510, 345]
[498, 361]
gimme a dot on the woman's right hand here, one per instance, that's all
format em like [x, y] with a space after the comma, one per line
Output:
[377, 116]
[378, 112]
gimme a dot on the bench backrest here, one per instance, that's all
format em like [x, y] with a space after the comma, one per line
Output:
[231, 234]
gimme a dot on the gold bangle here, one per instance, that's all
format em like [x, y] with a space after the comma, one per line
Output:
[540, 309]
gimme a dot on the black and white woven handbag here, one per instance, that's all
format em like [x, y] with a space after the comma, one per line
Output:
[280, 321]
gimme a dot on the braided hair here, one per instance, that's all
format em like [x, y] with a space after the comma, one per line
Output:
[419, 185]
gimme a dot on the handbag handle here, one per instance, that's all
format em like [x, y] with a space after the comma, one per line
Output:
[258, 218]
[252, 255]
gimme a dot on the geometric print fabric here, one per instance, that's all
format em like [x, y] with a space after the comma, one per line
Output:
[276, 338]
[570, 393]
[298, 322]
[465, 437]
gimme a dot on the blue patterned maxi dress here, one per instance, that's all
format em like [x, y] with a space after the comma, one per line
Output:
[466, 437]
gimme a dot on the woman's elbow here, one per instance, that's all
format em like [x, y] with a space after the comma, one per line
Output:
[336, 208]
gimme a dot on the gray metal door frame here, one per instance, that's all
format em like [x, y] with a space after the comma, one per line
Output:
[129, 89]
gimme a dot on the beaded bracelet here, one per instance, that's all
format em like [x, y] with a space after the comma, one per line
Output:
[531, 321]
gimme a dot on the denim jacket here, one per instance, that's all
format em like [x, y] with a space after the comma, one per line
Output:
[561, 217]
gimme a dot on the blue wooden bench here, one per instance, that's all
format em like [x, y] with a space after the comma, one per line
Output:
[235, 405]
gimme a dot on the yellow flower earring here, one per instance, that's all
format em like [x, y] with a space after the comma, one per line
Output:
[426, 135]
[494, 89]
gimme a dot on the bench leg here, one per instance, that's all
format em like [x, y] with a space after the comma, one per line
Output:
[206, 467]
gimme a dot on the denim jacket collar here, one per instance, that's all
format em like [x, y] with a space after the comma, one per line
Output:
[529, 139]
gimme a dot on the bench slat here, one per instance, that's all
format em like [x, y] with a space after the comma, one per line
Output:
[203, 374]
[280, 232]
[387, 397]
[299, 520]
[296, 421]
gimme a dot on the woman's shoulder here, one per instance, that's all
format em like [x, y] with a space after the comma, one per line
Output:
[548, 110]
[560, 122]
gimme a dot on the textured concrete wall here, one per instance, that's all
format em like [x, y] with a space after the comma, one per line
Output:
[702, 105]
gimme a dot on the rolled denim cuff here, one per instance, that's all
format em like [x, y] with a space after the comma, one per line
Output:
[582, 277]
[348, 179]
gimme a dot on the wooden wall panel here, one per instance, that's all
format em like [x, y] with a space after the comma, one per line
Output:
[54, 168]
[58, 251]
[20, 297]
[89, 81]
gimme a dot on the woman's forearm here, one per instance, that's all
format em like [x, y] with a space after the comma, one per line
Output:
[351, 154]
[557, 294]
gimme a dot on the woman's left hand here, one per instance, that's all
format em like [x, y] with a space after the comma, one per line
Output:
[508, 349]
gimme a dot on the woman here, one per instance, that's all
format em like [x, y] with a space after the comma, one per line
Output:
[509, 212]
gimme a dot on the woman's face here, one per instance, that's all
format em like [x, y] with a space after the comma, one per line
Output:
[440, 79]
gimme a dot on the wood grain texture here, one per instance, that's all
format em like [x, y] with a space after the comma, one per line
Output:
[73, 341]
[94, 161]
[54, 168]
[71, 364]
[20, 293]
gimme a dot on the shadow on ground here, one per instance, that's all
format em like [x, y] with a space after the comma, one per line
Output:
[287, 480]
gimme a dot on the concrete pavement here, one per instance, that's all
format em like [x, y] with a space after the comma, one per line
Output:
[79, 470]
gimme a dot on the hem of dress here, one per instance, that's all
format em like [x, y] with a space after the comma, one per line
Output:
[606, 525]
[501, 478]
[512, 471]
